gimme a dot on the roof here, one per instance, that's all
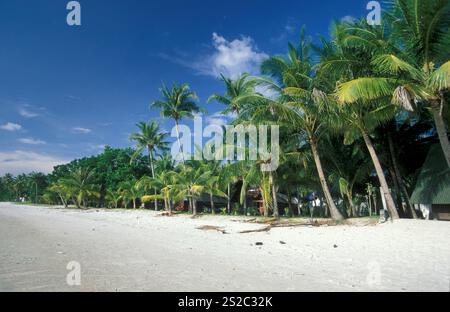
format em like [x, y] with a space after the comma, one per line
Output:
[433, 184]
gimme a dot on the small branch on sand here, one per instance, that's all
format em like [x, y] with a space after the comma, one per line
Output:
[264, 229]
[212, 228]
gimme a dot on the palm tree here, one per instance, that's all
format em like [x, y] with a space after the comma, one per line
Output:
[152, 139]
[62, 192]
[80, 185]
[238, 92]
[130, 191]
[113, 197]
[348, 166]
[303, 104]
[422, 28]
[178, 102]
[169, 185]
[411, 63]
[212, 184]
[343, 62]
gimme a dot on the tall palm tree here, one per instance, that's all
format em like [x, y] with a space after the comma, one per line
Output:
[303, 104]
[177, 103]
[151, 139]
[411, 63]
[343, 63]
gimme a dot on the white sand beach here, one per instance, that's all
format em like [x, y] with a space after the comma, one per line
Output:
[141, 251]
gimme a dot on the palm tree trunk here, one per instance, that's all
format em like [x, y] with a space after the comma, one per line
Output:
[150, 156]
[179, 141]
[352, 205]
[276, 213]
[381, 176]
[398, 196]
[134, 203]
[229, 199]
[291, 212]
[194, 207]
[335, 213]
[213, 209]
[401, 184]
[441, 128]
[169, 205]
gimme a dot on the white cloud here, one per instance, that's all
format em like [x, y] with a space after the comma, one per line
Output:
[230, 58]
[32, 141]
[27, 112]
[233, 58]
[11, 127]
[80, 130]
[18, 162]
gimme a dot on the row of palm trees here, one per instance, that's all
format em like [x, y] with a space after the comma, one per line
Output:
[338, 94]
[364, 78]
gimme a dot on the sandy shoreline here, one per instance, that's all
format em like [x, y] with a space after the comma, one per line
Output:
[139, 251]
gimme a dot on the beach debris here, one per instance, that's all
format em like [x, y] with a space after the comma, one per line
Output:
[212, 228]
[264, 229]
[335, 246]
[259, 244]
[282, 243]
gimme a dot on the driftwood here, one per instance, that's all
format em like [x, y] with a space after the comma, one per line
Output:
[264, 229]
[212, 228]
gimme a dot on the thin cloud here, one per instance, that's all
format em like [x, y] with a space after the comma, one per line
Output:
[27, 111]
[18, 162]
[31, 141]
[10, 126]
[80, 130]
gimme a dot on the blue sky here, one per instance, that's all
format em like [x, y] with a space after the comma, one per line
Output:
[65, 92]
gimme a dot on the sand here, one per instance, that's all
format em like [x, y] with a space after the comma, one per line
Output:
[130, 250]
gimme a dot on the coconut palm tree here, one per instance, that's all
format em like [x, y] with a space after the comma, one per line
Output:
[168, 184]
[343, 62]
[238, 92]
[303, 103]
[213, 183]
[130, 191]
[178, 102]
[410, 64]
[151, 139]
[113, 198]
[80, 185]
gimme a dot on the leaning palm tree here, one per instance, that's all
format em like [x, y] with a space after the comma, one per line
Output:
[421, 27]
[303, 104]
[412, 64]
[151, 139]
[344, 63]
[178, 102]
